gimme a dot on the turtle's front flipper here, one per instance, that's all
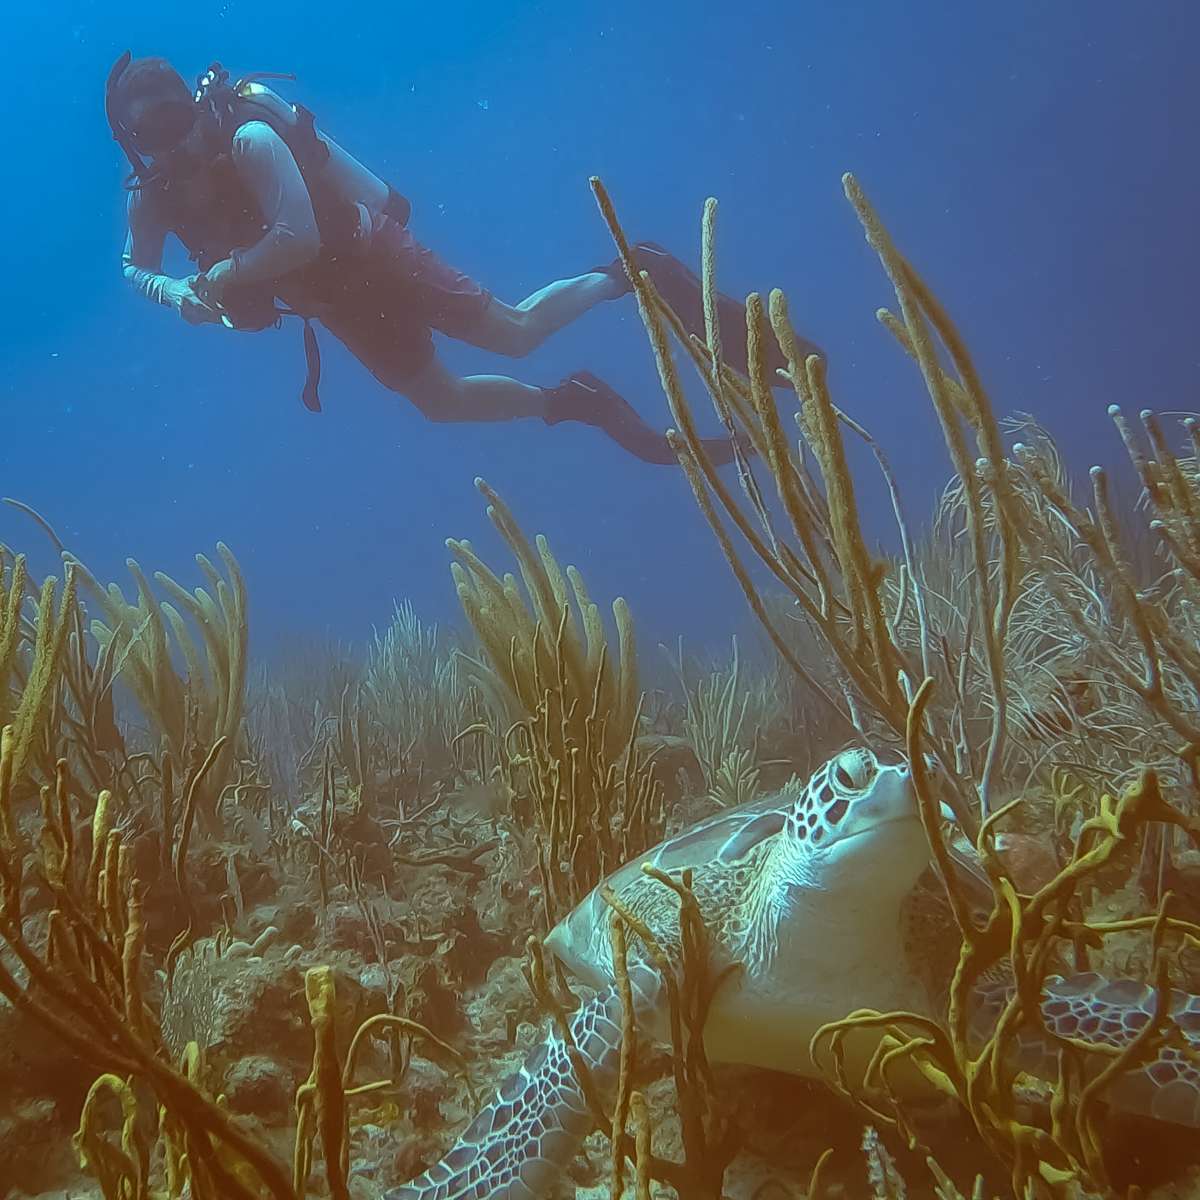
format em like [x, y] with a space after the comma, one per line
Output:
[1091, 1008]
[517, 1145]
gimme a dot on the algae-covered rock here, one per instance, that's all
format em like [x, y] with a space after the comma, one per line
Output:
[260, 1086]
[34, 1148]
[234, 1005]
[503, 1014]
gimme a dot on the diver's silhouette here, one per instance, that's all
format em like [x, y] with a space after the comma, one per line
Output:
[280, 220]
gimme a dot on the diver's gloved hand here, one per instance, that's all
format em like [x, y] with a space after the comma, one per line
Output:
[192, 308]
[210, 286]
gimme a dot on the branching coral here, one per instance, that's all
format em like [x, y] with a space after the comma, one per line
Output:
[206, 704]
[1140, 633]
[31, 652]
[822, 559]
[416, 689]
[80, 970]
[85, 985]
[595, 804]
[86, 713]
[1073, 702]
[549, 635]
[1036, 628]
[727, 713]
[570, 753]
[690, 982]
[321, 1107]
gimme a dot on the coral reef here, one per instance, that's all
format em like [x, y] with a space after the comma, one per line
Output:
[267, 932]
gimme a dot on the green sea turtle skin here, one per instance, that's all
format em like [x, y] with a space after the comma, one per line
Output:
[804, 889]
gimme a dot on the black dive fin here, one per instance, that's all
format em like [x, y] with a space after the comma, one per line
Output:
[682, 290]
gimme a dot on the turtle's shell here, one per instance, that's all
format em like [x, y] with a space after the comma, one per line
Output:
[716, 851]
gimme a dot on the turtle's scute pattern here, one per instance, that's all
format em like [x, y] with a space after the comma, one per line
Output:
[1090, 1008]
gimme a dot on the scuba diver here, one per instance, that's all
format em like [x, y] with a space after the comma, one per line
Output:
[281, 221]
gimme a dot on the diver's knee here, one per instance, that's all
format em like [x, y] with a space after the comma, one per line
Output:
[433, 408]
[521, 333]
[441, 414]
[432, 391]
[443, 404]
[530, 335]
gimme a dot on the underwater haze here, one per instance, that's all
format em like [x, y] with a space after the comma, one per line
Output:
[337, 860]
[1039, 159]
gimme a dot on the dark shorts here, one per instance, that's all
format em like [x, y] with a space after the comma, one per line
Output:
[386, 308]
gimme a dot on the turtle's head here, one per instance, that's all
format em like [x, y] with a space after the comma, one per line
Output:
[857, 819]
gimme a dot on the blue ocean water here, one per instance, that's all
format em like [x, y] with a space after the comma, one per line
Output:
[1037, 162]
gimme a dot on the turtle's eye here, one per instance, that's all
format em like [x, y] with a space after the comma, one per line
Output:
[852, 772]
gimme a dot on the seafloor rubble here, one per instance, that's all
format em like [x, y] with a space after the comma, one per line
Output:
[275, 930]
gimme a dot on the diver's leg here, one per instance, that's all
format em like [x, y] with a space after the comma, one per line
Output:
[517, 330]
[584, 398]
[421, 287]
[442, 396]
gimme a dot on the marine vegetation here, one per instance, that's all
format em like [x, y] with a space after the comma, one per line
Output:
[1033, 586]
[277, 931]
[568, 708]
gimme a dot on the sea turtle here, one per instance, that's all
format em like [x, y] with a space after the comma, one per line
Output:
[804, 888]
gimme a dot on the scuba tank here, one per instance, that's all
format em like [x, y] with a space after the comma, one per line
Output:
[345, 180]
